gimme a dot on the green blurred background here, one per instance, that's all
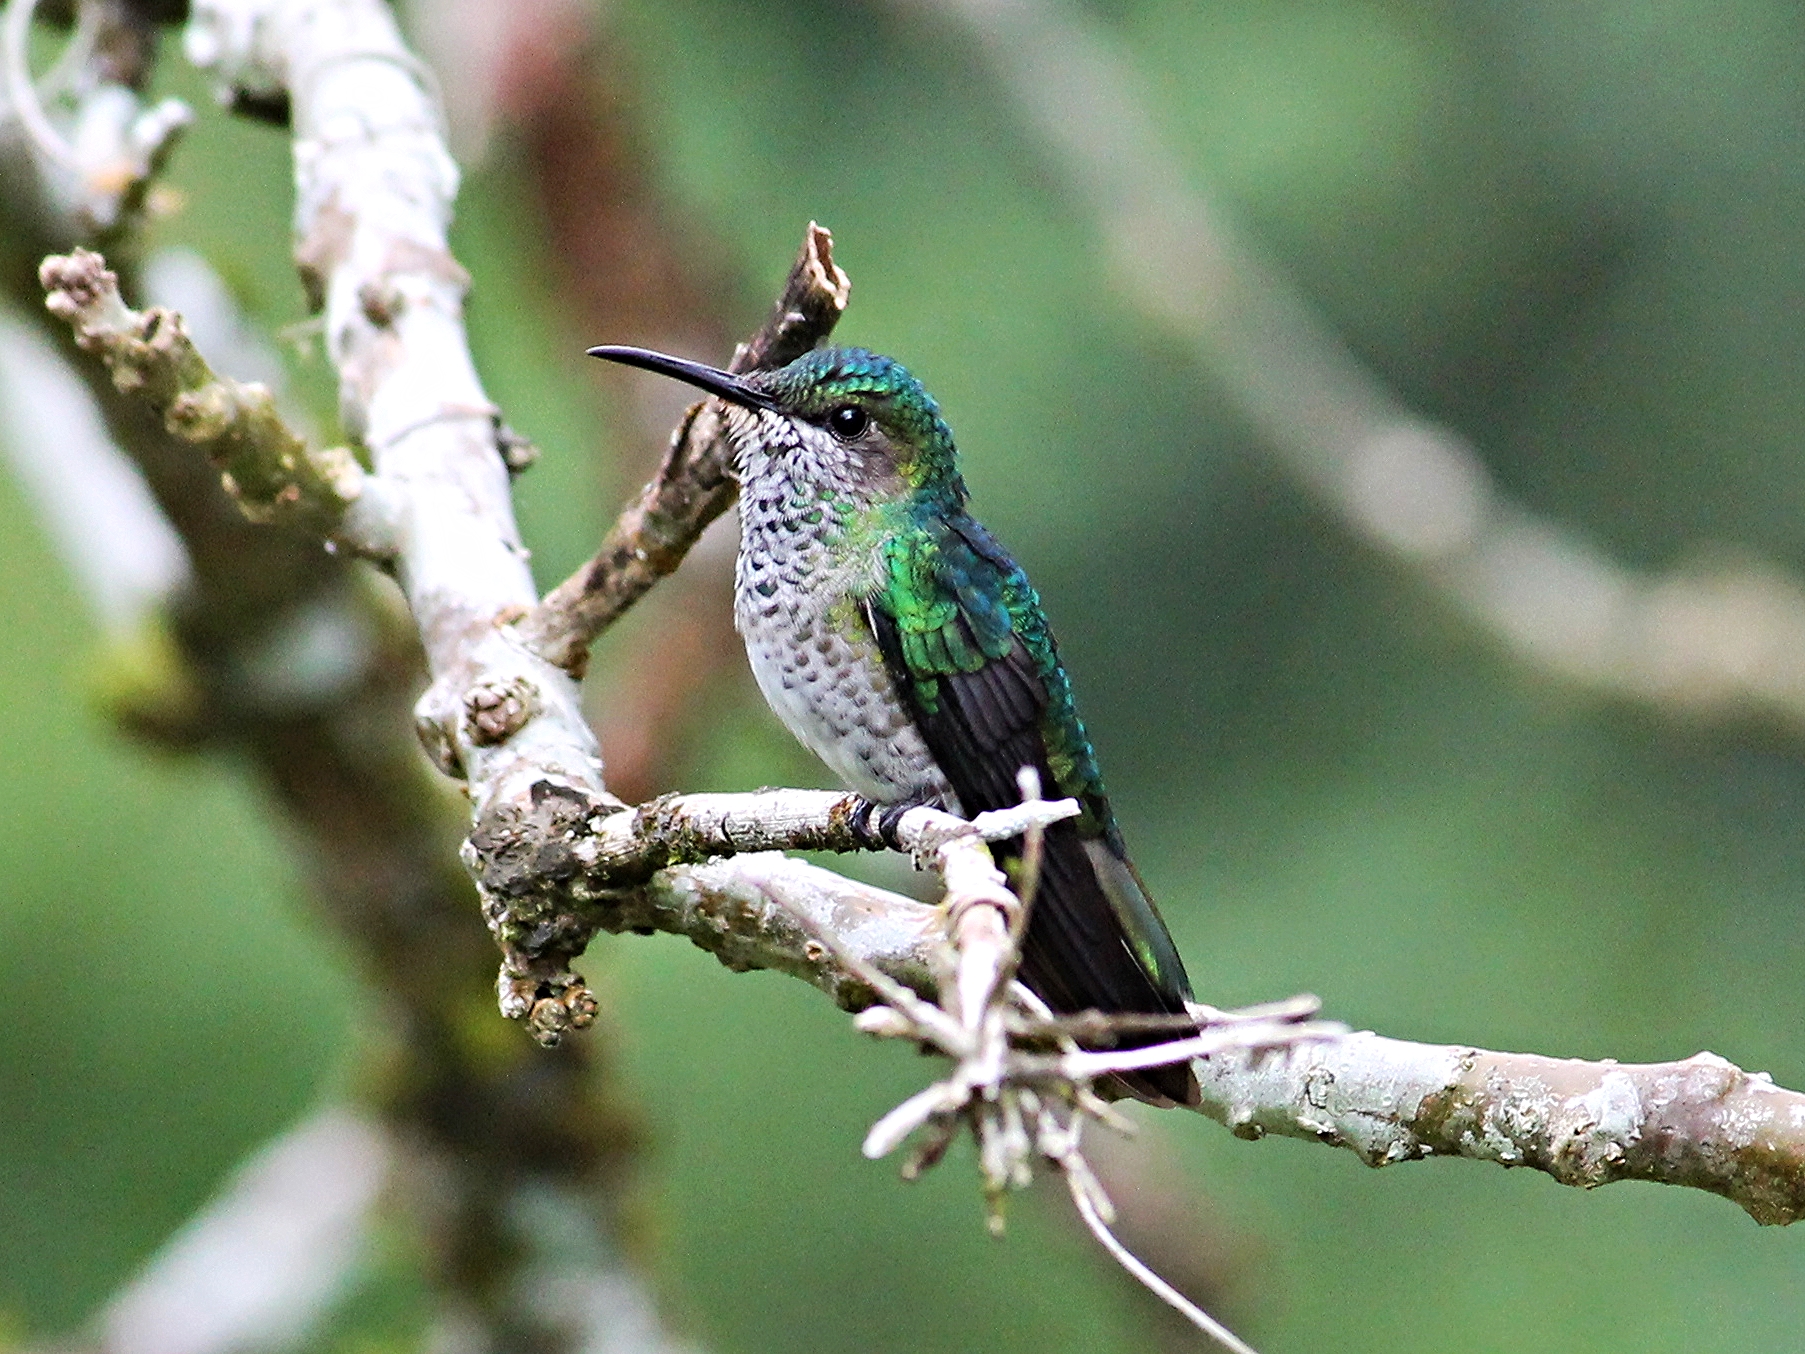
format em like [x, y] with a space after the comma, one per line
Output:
[1574, 232]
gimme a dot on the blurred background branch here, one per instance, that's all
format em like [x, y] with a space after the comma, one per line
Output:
[1717, 640]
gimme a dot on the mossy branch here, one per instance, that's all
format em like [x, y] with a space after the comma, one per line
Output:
[267, 468]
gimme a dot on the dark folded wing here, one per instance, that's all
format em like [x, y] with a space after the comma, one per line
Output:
[981, 702]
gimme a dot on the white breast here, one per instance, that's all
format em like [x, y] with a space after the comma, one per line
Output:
[819, 667]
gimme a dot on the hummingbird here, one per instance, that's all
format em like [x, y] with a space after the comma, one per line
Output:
[899, 642]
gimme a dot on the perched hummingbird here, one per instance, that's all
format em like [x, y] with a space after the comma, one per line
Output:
[898, 641]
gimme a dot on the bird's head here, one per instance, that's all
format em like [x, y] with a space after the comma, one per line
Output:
[835, 421]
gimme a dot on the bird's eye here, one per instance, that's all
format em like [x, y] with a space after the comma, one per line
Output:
[848, 421]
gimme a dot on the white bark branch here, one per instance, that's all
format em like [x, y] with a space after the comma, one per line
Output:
[374, 190]
[1701, 1122]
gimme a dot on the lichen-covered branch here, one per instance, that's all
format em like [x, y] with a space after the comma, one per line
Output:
[767, 911]
[266, 467]
[603, 855]
[562, 870]
[693, 485]
[1702, 1122]
[374, 192]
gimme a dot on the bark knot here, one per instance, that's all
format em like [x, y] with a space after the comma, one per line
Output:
[498, 708]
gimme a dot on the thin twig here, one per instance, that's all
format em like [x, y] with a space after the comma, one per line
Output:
[266, 466]
[1033, 848]
[1165, 1292]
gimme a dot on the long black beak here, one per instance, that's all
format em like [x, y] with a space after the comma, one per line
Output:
[712, 379]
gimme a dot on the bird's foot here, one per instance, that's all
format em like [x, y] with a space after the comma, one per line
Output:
[877, 826]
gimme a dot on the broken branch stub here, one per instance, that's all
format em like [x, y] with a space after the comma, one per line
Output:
[694, 484]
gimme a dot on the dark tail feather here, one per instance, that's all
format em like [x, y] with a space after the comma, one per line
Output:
[1078, 956]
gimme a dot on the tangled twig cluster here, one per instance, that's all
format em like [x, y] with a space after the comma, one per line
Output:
[1022, 1082]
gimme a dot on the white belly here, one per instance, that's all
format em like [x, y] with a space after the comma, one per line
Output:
[833, 693]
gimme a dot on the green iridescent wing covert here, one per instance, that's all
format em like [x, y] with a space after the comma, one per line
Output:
[962, 633]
